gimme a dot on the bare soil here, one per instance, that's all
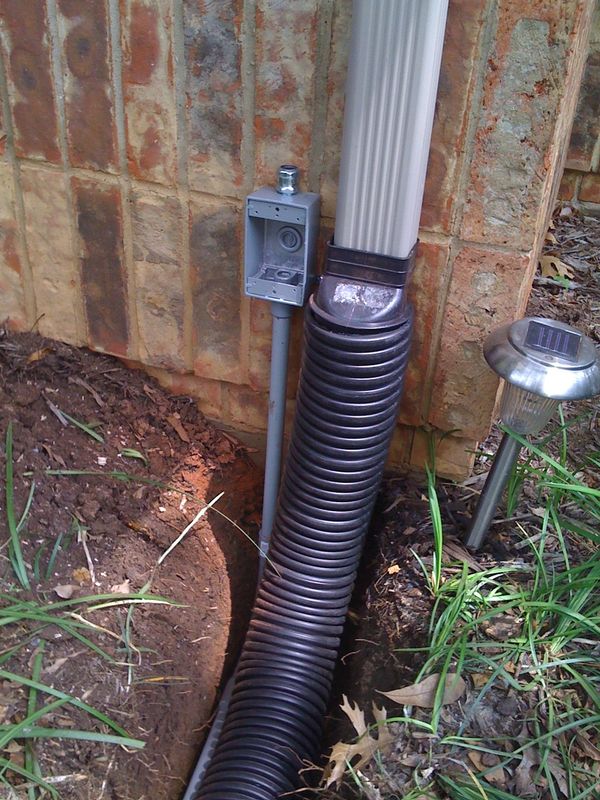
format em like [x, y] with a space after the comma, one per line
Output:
[160, 679]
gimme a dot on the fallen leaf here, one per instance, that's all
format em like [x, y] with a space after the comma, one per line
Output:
[52, 668]
[82, 575]
[502, 627]
[422, 694]
[495, 776]
[37, 355]
[522, 776]
[121, 588]
[480, 679]
[553, 267]
[355, 714]
[586, 746]
[177, 425]
[558, 772]
[455, 552]
[65, 591]
[360, 752]
[393, 570]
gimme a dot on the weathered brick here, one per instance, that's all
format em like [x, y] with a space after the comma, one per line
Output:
[454, 456]
[104, 283]
[150, 111]
[244, 408]
[586, 127]
[457, 77]
[286, 35]
[589, 191]
[484, 294]
[157, 251]
[213, 57]
[336, 83]
[3, 132]
[424, 287]
[91, 131]
[568, 185]
[50, 248]
[260, 344]
[29, 74]
[399, 454]
[207, 393]
[12, 301]
[534, 60]
[215, 252]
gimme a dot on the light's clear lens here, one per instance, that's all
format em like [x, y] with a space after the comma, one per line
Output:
[525, 412]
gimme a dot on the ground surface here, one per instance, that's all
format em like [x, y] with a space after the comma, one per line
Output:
[161, 666]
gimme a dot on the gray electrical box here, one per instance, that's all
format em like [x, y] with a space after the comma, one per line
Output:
[282, 227]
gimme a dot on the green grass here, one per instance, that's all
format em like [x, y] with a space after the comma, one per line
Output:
[548, 598]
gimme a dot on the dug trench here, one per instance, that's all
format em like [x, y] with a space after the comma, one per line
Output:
[118, 469]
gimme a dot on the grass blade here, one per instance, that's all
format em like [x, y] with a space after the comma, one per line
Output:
[15, 542]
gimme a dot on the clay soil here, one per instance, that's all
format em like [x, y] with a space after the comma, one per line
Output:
[150, 463]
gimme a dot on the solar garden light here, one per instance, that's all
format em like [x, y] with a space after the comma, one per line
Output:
[542, 362]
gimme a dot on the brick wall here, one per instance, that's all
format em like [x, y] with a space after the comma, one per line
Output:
[581, 179]
[133, 129]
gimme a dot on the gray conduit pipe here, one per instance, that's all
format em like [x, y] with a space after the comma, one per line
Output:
[282, 317]
[357, 335]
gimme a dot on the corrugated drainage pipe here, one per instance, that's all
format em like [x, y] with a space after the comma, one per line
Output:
[356, 342]
[346, 411]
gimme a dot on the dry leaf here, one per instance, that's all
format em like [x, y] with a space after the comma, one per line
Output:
[522, 776]
[585, 744]
[37, 355]
[556, 768]
[360, 752]
[495, 776]
[393, 569]
[52, 668]
[65, 591]
[177, 425]
[82, 575]
[480, 679]
[452, 551]
[121, 588]
[422, 694]
[553, 267]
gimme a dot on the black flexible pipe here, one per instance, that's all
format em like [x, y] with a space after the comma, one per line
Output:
[350, 387]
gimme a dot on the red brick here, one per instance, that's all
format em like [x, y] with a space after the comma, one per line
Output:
[457, 77]
[454, 456]
[568, 185]
[157, 252]
[244, 408]
[150, 111]
[50, 247]
[207, 393]
[589, 191]
[213, 58]
[215, 253]
[286, 35]
[91, 131]
[3, 132]
[424, 288]
[12, 301]
[486, 292]
[30, 86]
[104, 283]
[586, 130]
[526, 112]
[336, 82]
[260, 344]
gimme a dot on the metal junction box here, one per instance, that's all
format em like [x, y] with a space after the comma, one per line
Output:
[280, 245]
